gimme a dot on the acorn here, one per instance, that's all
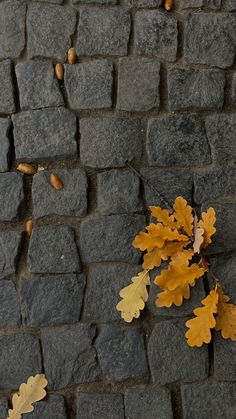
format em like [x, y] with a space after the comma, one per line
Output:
[168, 5]
[71, 56]
[56, 182]
[26, 168]
[29, 227]
[59, 71]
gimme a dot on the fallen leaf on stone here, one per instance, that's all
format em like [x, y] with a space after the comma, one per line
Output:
[59, 71]
[26, 168]
[198, 239]
[207, 223]
[56, 181]
[71, 56]
[226, 316]
[29, 227]
[154, 258]
[183, 214]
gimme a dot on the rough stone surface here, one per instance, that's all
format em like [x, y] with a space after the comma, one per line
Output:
[195, 4]
[231, 5]
[155, 33]
[38, 86]
[138, 84]
[103, 31]
[4, 144]
[178, 361]
[53, 250]
[7, 99]
[19, 359]
[214, 183]
[50, 1]
[144, 3]
[52, 300]
[3, 408]
[215, 47]
[9, 248]
[9, 304]
[45, 133]
[12, 29]
[121, 353]
[221, 134]
[69, 201]
[52, 406]
[110, 141]
[69, 357]
[102, 406]
[198, 89]
[118, 192]
[49, 28]
[234, 88]
[109, 238]
[100, 305]
[11, 195]
[151, 401]
[225, 269]
[211, 401]
[224, 356]
[94, 2]
[89, 84]
[177, 141]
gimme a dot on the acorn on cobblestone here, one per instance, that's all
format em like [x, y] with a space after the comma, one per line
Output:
[56, 181]
[29, 227]
[168, 5]
[26, 168]
[59, 71]
[71, 56]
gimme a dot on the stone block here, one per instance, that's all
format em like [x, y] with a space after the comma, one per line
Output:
[7, 95]
[221, 134]
[149, 402]
[3, 408]
[224, 267]
[195, 4]
[224, 359]
[52, 406]
[9, 245]
[144, 3]
[5, 126]
[102, 406]
[11, 195]
[10, 314]
[12, 29]
[214, 183]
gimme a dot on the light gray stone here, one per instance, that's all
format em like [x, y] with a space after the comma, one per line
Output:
[149, 402]
[221, 134]
[224, 359]
[9, 248]
[7, 99]
[12, 28]
[11, 195]
[51, 407]
[214, 183]
[9, 305]
[102, 406]
[5, 126]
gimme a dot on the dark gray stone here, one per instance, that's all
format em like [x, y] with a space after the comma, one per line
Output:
[53, 250]
[144, 3]
[5, 126]
[11, 195]
[200, 89]
[209, 400]
[20, 358]
[50, 1]
[89, 84]
[12, 28]
[224, 359]
[225, 269]
[155, 33]
[94, 2]
[102, 406]
[7, 100]
[3, 408]
[38, 86]
[51, 407]
[103, 31]
[214, 183]
[100, 306]
[138, 84]
[9, 248]
[69, 357]
[110, 141]
[52, 300]
[234, 85]
[170, 357]
[49, 30]
[9, 305]
[45, 133]
[118, 192]
[69, 201]
[149, 402]
[221, 134]
[231, 5]
[210, 39]
[109, 238]
[195, 4]
[121, 353]
[177, 141]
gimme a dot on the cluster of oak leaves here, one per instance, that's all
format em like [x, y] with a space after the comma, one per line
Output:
[180, 237]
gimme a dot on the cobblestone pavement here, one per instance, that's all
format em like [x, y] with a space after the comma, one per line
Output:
[153, 88]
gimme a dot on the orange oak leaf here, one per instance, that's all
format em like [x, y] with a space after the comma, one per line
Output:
[163, 216]
[183, 215]
[200, 326]
[207, 223]
[166, 298]
[226, 316]
[154, 258]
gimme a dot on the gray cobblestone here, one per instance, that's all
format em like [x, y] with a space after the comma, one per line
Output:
[11, 195]
[221, 135]
[53, 404]
[7, 99]
[214, 183]
[94, 2]
[231, 5]
[225, 269]
[9, 246]
[144, 3]
[102, 406]
[195, 4]
[234, 85]
[5, 126]
[3, 408]
[12, 28]
[151, 401]
[224, 355]
[50, 1]
[9, 305]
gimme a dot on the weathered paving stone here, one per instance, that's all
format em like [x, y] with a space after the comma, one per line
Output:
[121, 353]
[50, 1]
[224, 359]
[110, 141]
[177, 141]
[214, 183]
[9, 304]
[69, 357]
[231, 5]
[94, 2]
[5, 126]
[195, 4]
[11, 195]
[211, 401]
[89, 84]
[148, 402]
[109, 238]
[19, 359]
[7, 100]
[69, 201]
[3, 408]
[144, 3]
[171, 359]
[118, 192]
[52, 406]
[104, 283]
[53, 250]
[214, 46]
[102, 406]
[52, 300]
[103, 31]
[49, 30]
[225, 269]
[221, 134]
[138, 84]
[200, 89]
[12, 29]
[9, 248]
[45, 133]
[38, 86]
[155, 33]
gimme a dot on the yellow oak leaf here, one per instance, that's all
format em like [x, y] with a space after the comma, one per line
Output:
[153, 258]
[226, 316]
[134, 297]
[207, 223]
[163, 216]
[165, 232]
[146, 241]
[198, 239]
[29, 393]
[183, 215]
[200, 326]
[166, 298]
[156, 237]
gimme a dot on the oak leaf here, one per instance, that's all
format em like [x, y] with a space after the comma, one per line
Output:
[134, 297]
[156, 236]
[198, 239]
[163, 216]
[207, 223]
[226, 316]
[200, 326]
[29, 393]
[154, 258]
[166, 298]
[183, 215]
